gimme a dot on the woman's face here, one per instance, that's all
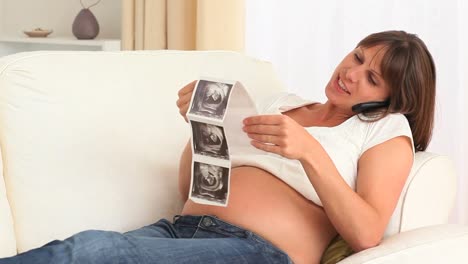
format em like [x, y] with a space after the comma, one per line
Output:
[357, 79]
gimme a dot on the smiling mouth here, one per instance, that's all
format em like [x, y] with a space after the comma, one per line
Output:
[342, 86]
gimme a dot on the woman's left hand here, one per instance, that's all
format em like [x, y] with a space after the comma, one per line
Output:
[279, 134]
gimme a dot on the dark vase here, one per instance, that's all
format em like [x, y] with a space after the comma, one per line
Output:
[85, 25]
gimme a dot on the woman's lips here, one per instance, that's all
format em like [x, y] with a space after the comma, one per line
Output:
[338, 87]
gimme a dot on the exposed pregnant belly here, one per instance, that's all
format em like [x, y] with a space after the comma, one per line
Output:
[264, 204]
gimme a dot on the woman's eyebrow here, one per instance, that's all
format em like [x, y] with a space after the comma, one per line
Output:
[364, 59]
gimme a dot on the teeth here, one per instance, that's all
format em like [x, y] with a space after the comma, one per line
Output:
[342, 86]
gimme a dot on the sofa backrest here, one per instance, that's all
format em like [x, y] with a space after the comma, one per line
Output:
[91, 140]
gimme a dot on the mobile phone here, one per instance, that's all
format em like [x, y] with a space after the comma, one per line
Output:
[365, 107]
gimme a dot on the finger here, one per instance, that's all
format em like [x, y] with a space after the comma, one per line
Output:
[183, 110]
[185, 99]
[264, 129]
[265, 120]
[266, 147]
[266, 139]
[188, 88]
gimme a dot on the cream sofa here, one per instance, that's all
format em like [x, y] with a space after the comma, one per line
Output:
[91, 140]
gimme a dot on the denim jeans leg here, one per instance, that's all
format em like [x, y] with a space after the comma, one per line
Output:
[94, 246]
[194, 241]
[91, 246]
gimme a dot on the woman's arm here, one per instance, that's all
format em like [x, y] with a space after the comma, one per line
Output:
[185, 163]
[362, 216]
[185, 171]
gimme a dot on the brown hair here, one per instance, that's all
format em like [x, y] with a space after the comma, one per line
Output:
[408, 69]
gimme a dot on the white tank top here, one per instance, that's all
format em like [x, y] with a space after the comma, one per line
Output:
[344, 144]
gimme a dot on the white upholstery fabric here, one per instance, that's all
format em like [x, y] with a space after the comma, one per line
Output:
[428, 245]
[7, 237]
[92, 139]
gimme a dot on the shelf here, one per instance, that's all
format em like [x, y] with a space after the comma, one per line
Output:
[60, 41]
[13, 44]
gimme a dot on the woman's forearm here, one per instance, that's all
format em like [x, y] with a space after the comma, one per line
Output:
[185, 171]
[354, 219]
[361, 216]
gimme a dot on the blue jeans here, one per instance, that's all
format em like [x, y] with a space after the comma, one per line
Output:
[189, 239]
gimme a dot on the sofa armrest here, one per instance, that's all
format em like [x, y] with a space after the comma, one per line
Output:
[432, 181]
[433, 244]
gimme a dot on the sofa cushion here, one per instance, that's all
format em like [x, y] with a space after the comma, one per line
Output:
[337, 250]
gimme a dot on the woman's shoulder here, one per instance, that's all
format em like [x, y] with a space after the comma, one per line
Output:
[389, 121]
[386, 128]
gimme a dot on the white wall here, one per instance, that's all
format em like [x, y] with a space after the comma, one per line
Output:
[19, 15]
[462, 127]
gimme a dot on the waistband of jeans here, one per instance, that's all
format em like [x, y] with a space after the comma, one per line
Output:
[213, 222]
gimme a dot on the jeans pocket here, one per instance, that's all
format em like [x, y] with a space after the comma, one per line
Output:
[219, 232]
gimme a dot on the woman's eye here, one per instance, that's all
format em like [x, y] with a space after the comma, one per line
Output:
[371, 80]
[357, 58]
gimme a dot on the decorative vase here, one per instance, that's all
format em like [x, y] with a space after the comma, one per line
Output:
[85, 25]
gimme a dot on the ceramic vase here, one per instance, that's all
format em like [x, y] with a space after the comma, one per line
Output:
[85, 25]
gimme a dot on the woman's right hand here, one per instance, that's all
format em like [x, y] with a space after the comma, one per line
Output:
[185, 94]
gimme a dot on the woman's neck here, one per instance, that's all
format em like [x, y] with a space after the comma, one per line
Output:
[328, 114]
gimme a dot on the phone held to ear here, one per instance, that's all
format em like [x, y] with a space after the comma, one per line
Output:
[364, 107]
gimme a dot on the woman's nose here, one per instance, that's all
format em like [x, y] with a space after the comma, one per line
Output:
[354, 73]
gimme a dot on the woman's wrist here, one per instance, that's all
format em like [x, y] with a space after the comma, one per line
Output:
[316, 160]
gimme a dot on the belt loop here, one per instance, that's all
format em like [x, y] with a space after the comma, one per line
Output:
[176, 217]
